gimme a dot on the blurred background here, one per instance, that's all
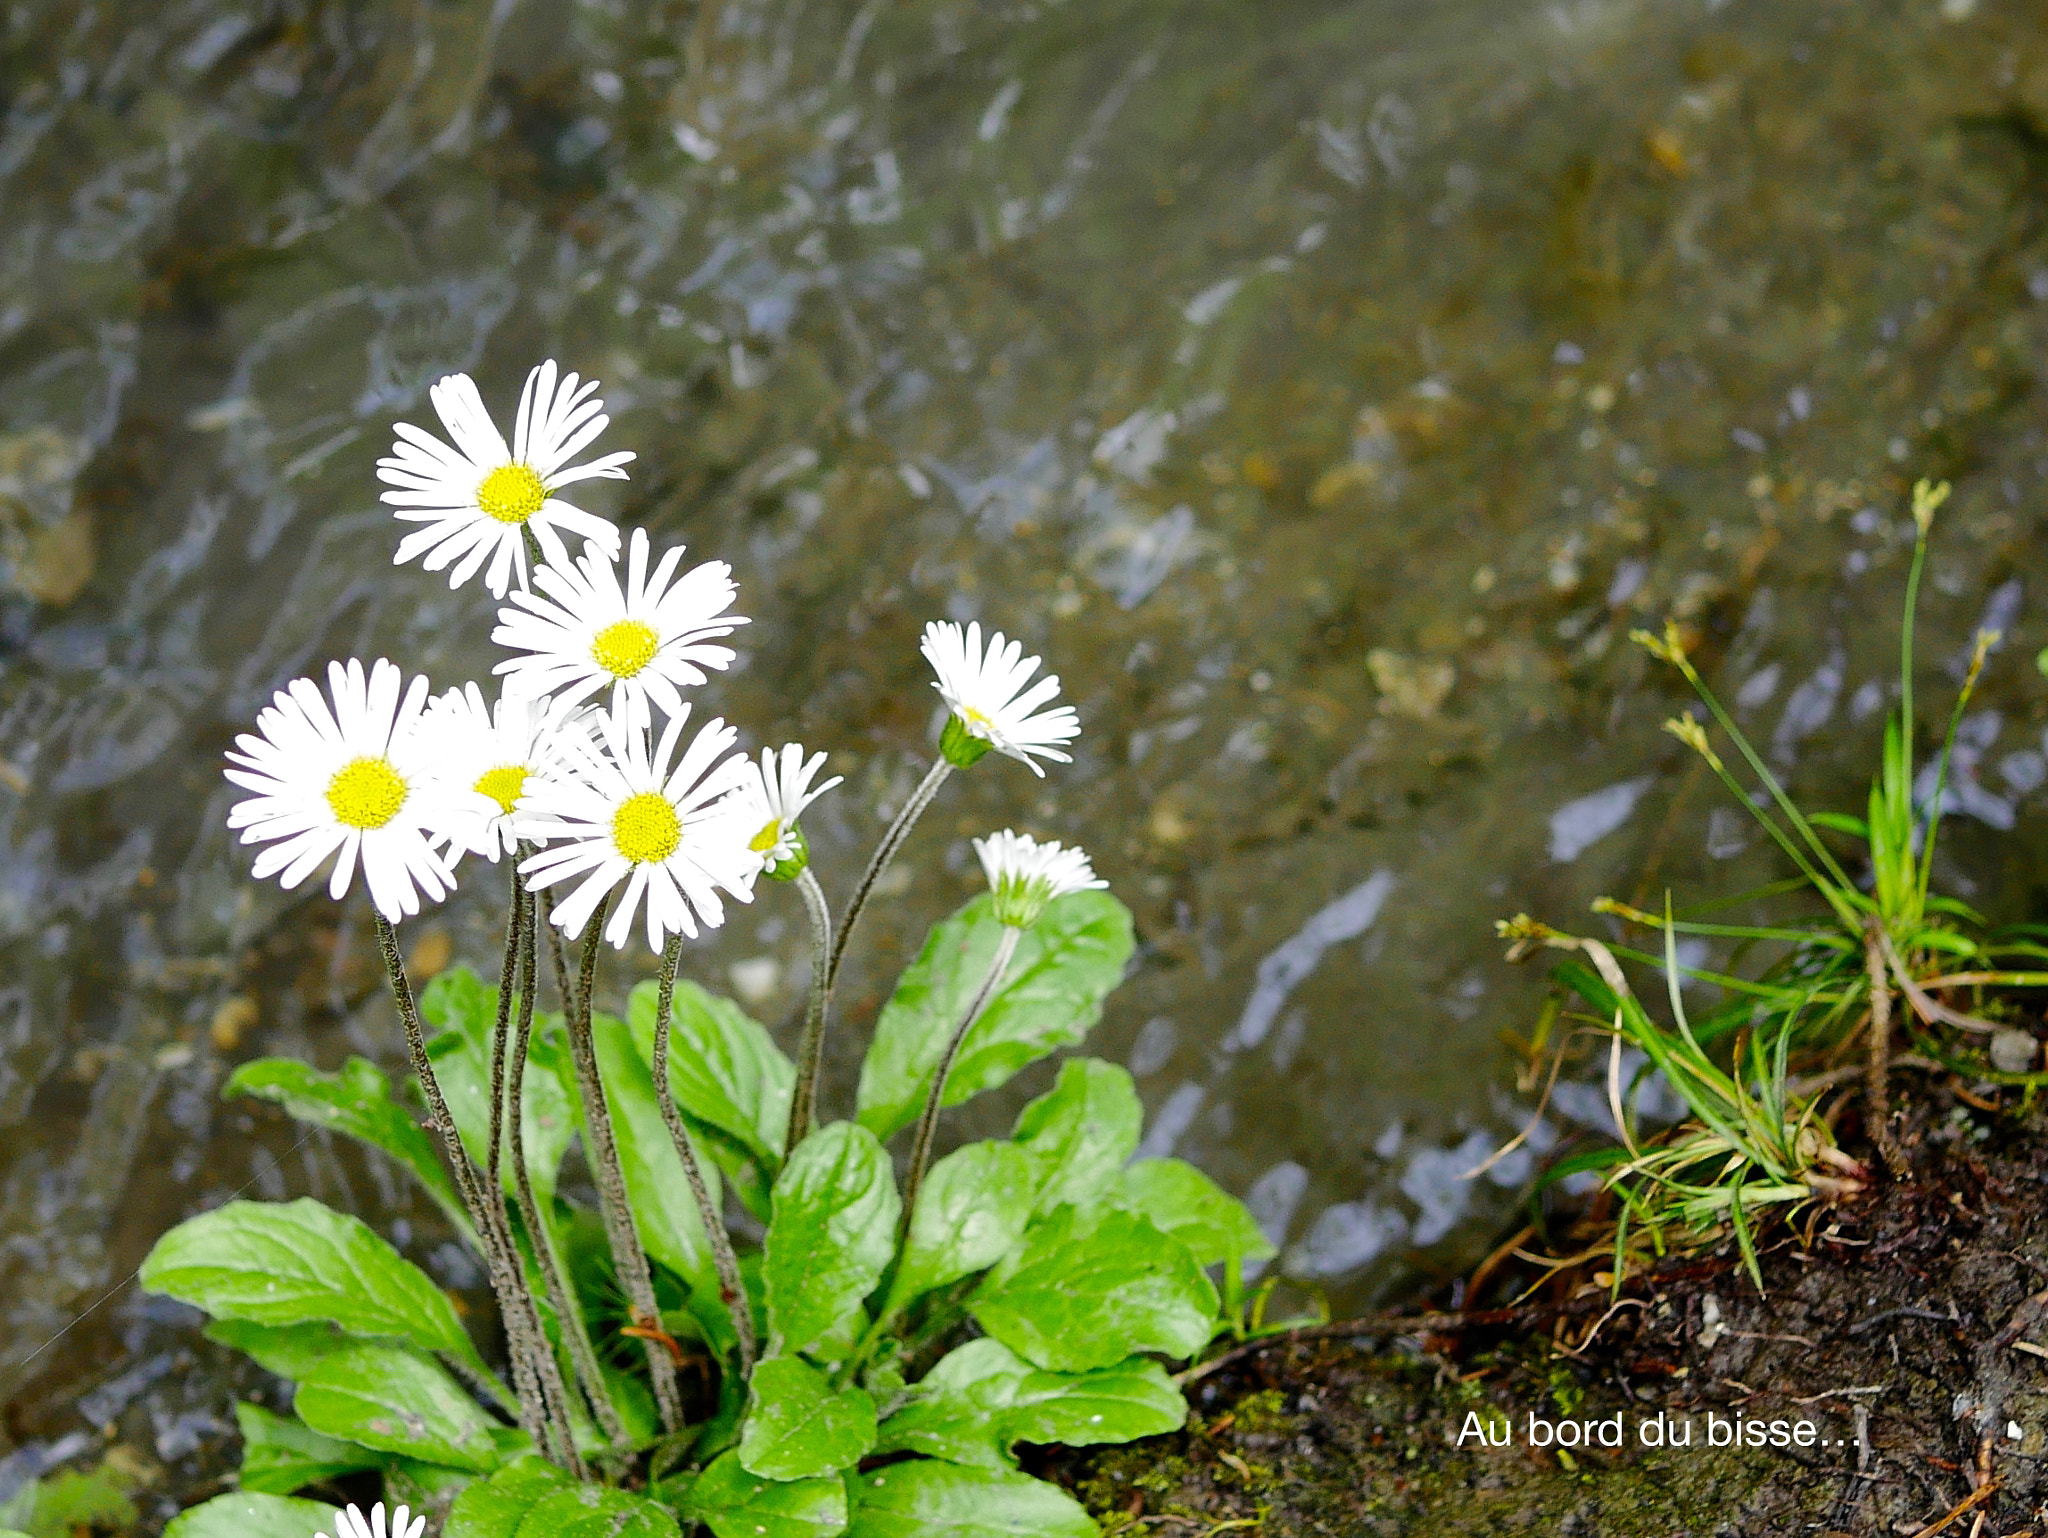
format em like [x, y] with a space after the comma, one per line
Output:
[1323, 387]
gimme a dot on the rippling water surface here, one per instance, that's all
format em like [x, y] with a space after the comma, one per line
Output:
[1325, 389]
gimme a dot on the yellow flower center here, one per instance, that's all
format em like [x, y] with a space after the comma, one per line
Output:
[511, 493]
[767, 838]
[645, 828]
[366, 793]
[624, 647]
[502, 785]
[974, 720]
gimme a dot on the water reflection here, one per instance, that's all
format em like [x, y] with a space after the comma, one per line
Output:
[1326, 389]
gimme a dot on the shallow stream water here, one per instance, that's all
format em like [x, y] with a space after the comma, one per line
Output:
[1324, 389]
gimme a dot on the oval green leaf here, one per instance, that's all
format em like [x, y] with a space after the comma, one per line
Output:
[397, 1402]
[1090, 1289]
[924, 1499]
[800, 1427]
[970, 1214]
[250, 1514]
[1080, 1132]
[286, 1263]
[1051, 996]
[736, 1504]
[1180, 1200]
[832, 1232]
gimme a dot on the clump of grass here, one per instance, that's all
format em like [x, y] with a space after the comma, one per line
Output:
[1857, 957]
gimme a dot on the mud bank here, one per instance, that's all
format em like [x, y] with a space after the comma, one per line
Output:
[1906, 1333]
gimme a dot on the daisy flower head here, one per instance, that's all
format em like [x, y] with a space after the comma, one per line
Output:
[353, 1524]
[626, 811]
[342, 774]
[1024, 875]
[581, 632]
[771, 797]
[990, 705]
[478, 498]
[486, 759]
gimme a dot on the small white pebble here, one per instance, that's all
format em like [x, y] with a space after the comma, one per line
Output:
[2012, 1430]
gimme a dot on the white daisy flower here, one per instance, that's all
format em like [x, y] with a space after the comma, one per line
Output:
[620, 813]
[1025, 875]
[479, 497]
[348, 781]
[982, 690]
[486, 760]
[581, 633]
[353, 1524]
[771, 797]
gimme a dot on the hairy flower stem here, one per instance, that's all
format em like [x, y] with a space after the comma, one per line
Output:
[731, 1290]
[568, 1314]
[628, 1257]
[503, 1277]
[1877, 1099]
[928, 1122]
[536, 1374]
[803, 1102]
[899, 830]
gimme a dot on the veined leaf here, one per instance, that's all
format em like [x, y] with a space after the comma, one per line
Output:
[285, 1263]
[289, 1350]
[494, 1507]
[953, 1414]
[970, 1214]
[251, 1514]
[398, 1402]
[736, 1504]
[1051, 996]
[1133, 1399]
[280, 1455]
[593, 1511]
[925, 1499]
[724, 1067]
[799, 1427]
[1090, 1289]
[1180, 1200]
[1080, 1132]
[832, 1233]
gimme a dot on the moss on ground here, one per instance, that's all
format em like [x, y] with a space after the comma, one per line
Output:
[1890, 1330]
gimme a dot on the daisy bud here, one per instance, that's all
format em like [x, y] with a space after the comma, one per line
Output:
[1025, 875]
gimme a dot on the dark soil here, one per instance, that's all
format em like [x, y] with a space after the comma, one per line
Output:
[1896, 1330]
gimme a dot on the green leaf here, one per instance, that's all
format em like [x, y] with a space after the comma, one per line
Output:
[724, 1068]
[1133, 1399]
[280, 1455]
[592, 1511]
[467, 1010]
[1052, 994]
[1092, 1288]
[953, 1414]
[289, 1350]
[250, 1514]
[924, 1499]
[799, 1426]
[293, 1262]
[357, 1101]
[736, 1504]
[1180, 1200]
[832, 1233]
[397, 1402]
[656, 1186]
[1080, 1133]
[970, 1214]
[72, 1501]
[494, 1507]
[983, 1397]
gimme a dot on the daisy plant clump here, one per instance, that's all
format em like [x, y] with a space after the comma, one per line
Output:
[1861, 949]
[852, 1353]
